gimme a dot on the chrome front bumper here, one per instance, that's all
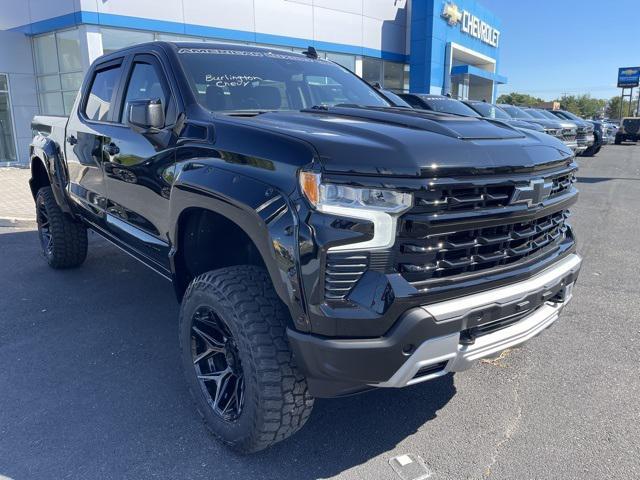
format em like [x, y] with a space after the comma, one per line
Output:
[446, 354]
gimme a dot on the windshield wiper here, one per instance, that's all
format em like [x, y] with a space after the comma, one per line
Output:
[252, 112]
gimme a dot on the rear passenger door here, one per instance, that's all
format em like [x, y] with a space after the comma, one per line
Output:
[139, 167]
[84, 139]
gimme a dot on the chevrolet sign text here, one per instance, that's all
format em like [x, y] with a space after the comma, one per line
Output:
[470, 24]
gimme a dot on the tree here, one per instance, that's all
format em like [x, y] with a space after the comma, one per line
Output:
[582, 105]
[613, 107]
[515, 98]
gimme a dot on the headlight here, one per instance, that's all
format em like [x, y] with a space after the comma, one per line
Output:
[381, 206]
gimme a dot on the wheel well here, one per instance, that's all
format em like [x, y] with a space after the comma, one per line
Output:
[208, 241]
[39, 176]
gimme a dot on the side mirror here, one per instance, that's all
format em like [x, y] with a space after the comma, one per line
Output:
[145, 116]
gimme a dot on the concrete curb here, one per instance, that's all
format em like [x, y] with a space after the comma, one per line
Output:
[18, 222]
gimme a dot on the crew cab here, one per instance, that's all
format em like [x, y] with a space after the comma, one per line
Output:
[321, 241]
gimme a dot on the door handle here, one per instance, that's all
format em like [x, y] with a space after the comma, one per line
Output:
[72, 140]
[111, 149]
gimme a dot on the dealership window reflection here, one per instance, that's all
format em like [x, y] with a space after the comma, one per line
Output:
[7, 144]
[390, 75]
[59, 71]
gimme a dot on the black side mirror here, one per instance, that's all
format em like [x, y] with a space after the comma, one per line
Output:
[145, 116]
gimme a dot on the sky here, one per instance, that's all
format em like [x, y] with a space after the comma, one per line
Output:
[549, 47]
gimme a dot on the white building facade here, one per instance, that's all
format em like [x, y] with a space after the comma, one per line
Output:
[47, 45]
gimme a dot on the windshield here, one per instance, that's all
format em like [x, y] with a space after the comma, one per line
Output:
[489, 110]
[449, 105]
[570, 116]
[395, 99]
[516, 112]
[244, 79]
[535, 113]
[548, 115]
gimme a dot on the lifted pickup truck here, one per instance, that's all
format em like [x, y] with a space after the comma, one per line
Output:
[321, 242]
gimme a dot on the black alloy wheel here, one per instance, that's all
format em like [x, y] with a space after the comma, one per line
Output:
[44, 229]
[237, 361]
[63, 240]
[217, 364]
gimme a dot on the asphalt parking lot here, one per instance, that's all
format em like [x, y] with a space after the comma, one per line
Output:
[90, 386]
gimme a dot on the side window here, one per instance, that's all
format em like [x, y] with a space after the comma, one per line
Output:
[144, 84]
[101, 94]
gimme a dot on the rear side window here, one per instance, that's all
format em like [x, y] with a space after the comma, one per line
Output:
[100, 99]
[145, 84]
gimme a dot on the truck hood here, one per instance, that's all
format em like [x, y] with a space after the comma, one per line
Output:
[402, 142]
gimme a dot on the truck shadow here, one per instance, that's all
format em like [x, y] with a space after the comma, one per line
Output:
[347, 432]
[99, 384]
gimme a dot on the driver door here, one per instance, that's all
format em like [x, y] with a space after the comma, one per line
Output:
[139, 167]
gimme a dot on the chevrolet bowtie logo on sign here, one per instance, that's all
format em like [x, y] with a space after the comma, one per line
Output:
[470, 24]
[451, 13]
[533, 194]
[628, 77]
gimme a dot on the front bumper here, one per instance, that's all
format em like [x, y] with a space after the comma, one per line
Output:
[432, 340]
[585, 140]
[572, 144]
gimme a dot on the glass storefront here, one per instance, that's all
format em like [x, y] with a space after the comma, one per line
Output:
[7, 143]
[391, 75]
[59, 71]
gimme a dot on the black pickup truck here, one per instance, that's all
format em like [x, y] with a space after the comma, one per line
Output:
[321, 241]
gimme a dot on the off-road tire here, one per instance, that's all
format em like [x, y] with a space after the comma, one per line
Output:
[276, 399]
[591, 151]
[69, 238]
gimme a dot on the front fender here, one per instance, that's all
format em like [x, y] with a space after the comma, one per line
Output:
[47, 152]
[265, 214]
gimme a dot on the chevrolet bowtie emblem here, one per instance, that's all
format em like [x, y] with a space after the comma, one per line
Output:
[533, 194]
[451, 13]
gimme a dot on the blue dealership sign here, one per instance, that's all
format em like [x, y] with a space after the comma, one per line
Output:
[628, 77]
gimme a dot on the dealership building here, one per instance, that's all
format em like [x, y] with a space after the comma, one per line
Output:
[424, 46]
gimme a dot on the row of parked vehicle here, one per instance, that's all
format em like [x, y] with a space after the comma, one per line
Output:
[585, 137]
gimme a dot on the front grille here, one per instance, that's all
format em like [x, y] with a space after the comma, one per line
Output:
[568, 134]
[421, 257]
[342, 272]
[562, 183]
[460, 198]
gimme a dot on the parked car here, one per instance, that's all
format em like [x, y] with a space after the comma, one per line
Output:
[438, 103]
[489, 110]
[599, 138]
[610, 131]
[321, 241]
[629, 130]
[443, 104]
[585, 135]
[553, 127]
[569, 129]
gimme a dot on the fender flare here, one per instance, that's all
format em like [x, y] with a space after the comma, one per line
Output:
[263, 213]
[47, 152]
